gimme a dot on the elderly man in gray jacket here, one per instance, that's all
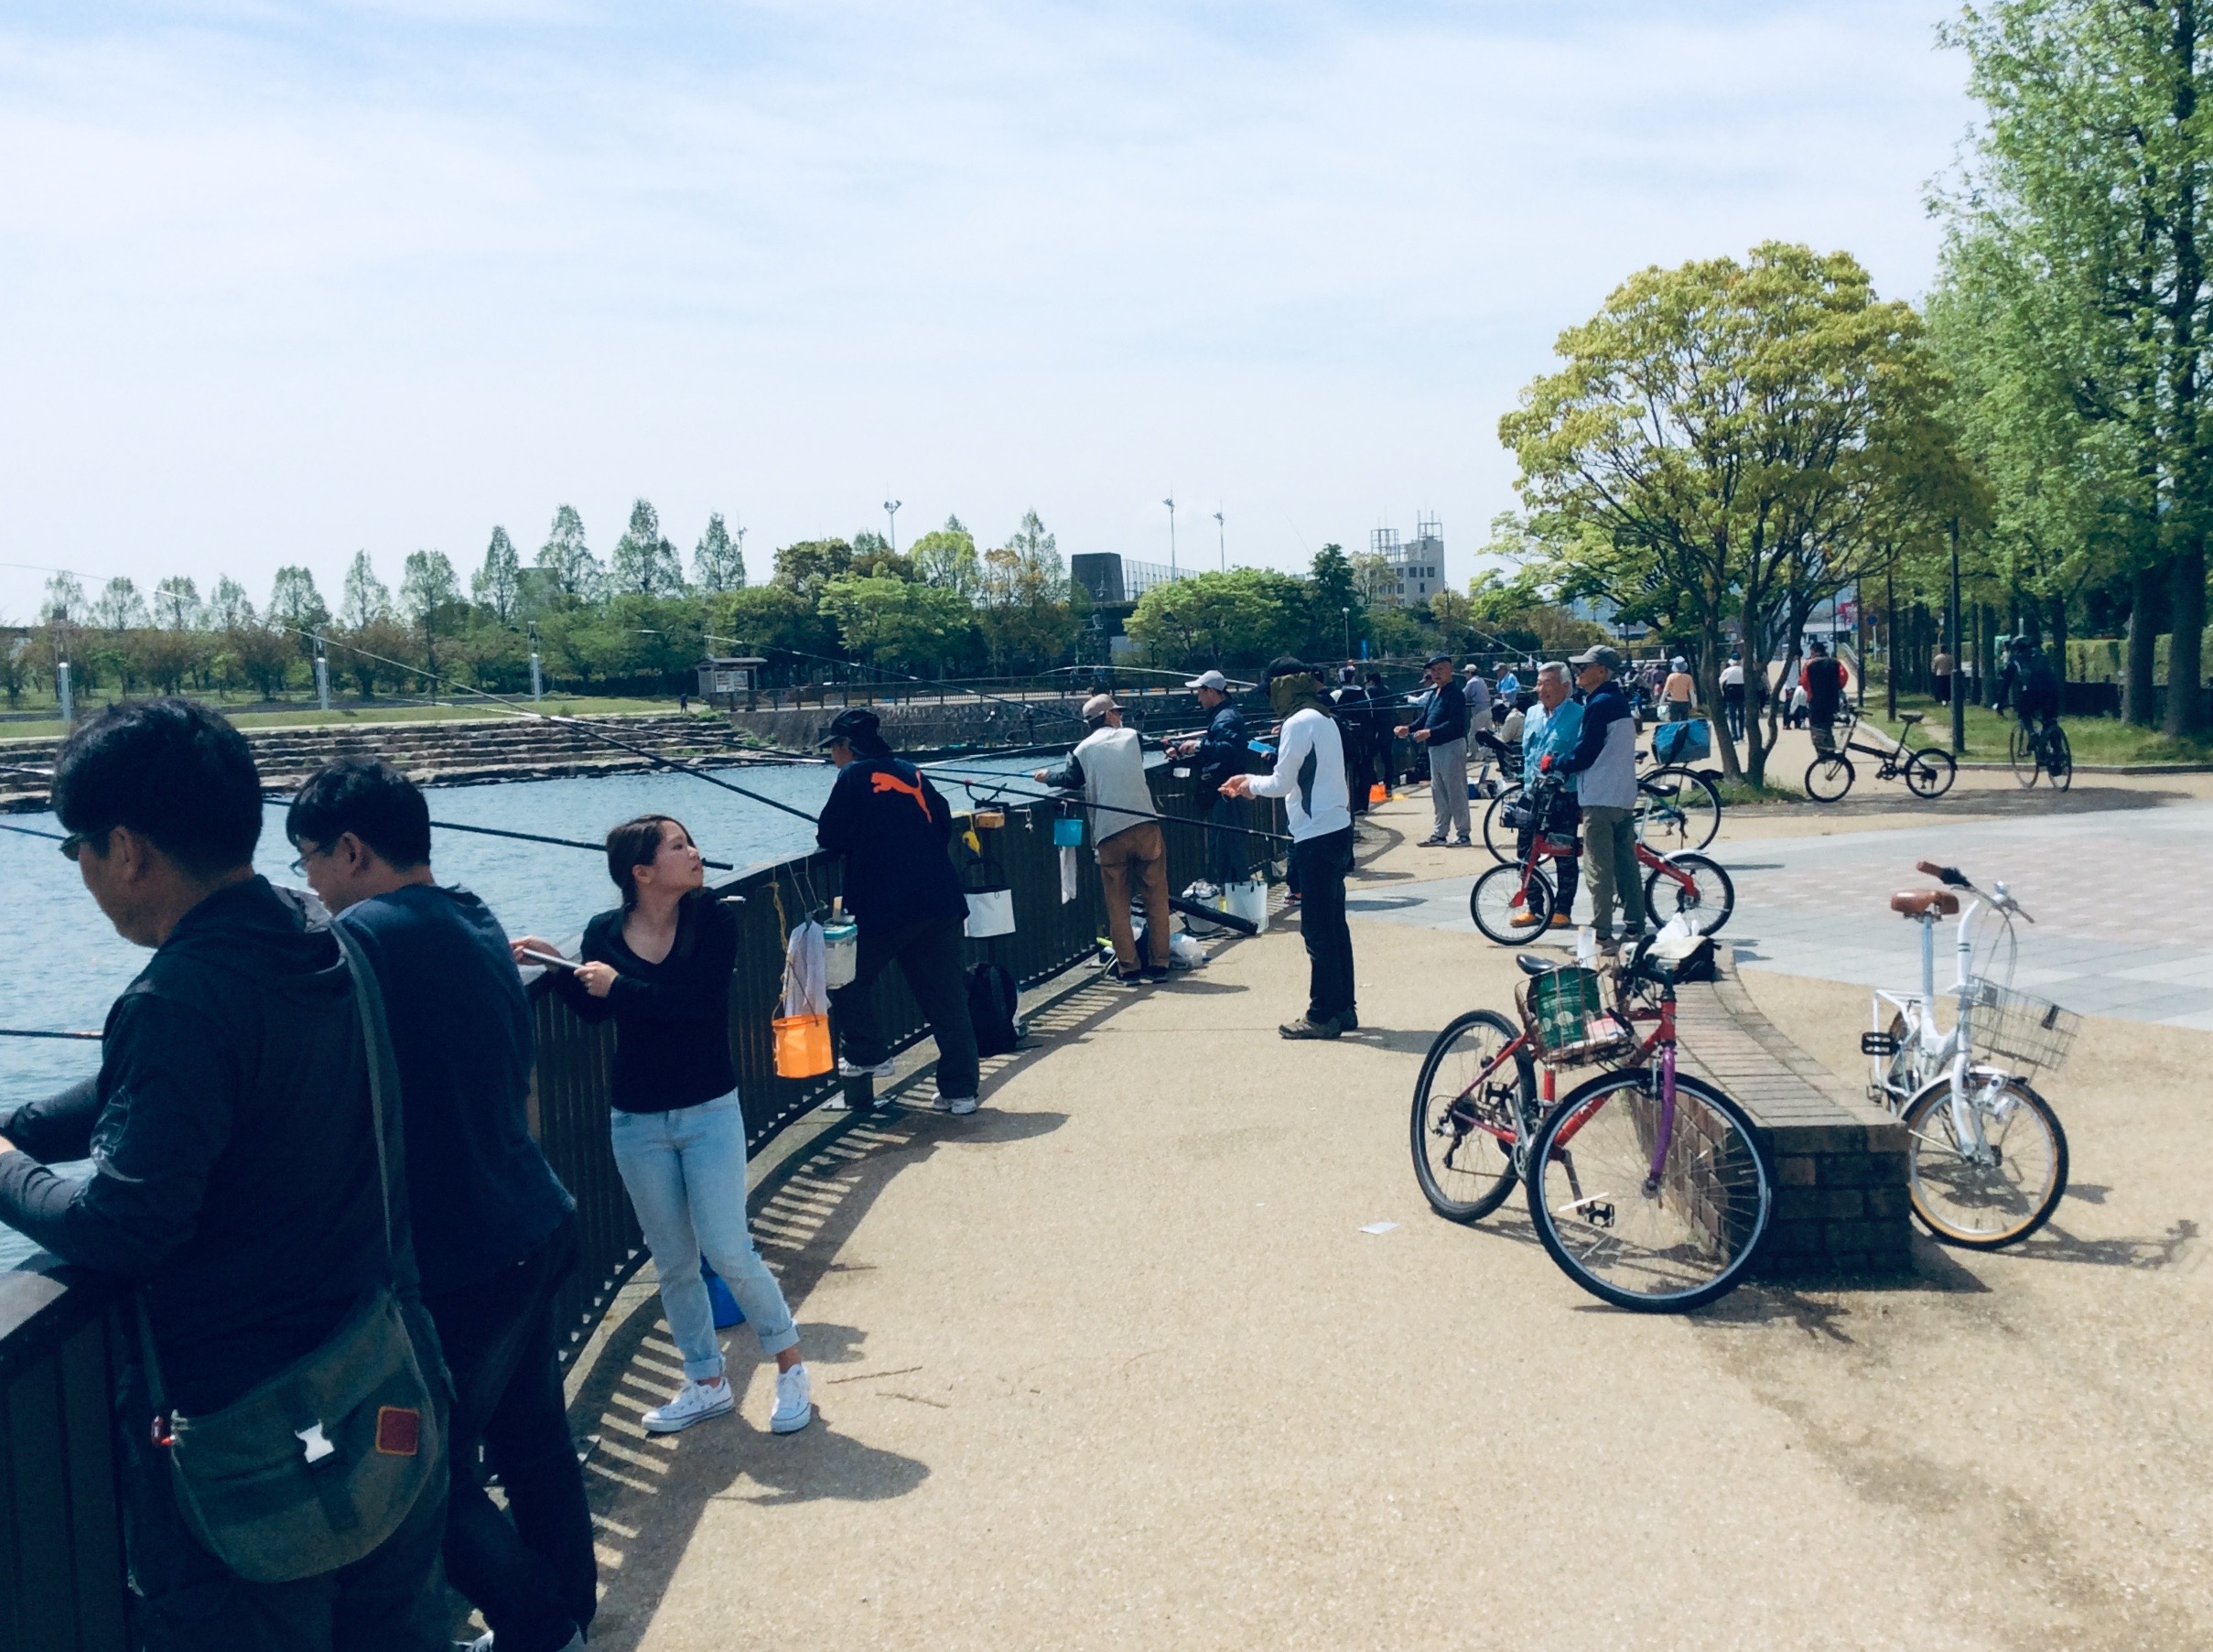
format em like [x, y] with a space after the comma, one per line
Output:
[1108, 768]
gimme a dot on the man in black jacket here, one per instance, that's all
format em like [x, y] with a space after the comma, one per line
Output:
[892, 826]
[1218, 753]
[495, 1233]
[235, 1171]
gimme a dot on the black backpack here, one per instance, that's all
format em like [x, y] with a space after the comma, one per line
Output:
[991, 1004]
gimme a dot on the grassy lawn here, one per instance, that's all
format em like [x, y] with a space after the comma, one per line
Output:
[375, 712]
[2105, 740]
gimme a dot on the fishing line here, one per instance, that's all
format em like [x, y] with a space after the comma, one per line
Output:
[1103, 808]
[30, 1032]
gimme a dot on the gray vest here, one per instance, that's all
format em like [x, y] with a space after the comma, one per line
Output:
[1114, 783]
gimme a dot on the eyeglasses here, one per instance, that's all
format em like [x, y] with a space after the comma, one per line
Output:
[74, 843]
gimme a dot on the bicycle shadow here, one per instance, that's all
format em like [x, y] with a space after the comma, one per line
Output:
[2054, 1243]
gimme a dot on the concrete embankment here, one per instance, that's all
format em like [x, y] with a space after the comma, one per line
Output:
[462, 752]
[918, 725]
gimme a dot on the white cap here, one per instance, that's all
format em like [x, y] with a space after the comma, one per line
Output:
[1210, 679]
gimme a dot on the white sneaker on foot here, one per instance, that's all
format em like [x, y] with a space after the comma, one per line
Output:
[794, 1404]
[958, 1106]
[882, 1069]
[695, 1402]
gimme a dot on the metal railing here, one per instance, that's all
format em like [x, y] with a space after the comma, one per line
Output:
[62, 1585]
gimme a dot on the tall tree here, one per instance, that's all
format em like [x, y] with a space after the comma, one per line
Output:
[498, 585]
[1333, 588]
[718, 561]
[645, 562]
[64, 601]
[120, 607]
[569, 562]
[805, 567]
[294, 601]
[176, 603]
[946, 558]
[364, 599]
[2076, 274]
[429, 587]
[229, 607]
[1708, 450]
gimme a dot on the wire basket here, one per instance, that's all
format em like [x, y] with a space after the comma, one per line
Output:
[1567, 1019]
[2023, 1028]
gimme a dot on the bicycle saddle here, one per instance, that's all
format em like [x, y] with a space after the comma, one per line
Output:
[1911, 716]
[1530, 966]
[1918, 903]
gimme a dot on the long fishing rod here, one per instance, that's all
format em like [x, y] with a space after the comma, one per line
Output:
[1028, 708]
[31, 832]
[590, 730]
[280, 799]
[32, 1033]
[1104, 808]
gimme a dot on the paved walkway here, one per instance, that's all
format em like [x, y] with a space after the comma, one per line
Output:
[1163, 1349]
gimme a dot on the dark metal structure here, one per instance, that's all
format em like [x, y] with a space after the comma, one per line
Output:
[62, 1580]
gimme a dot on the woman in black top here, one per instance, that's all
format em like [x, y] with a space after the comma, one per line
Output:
[660, 965]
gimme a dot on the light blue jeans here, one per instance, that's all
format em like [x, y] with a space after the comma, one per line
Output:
[686, 1173]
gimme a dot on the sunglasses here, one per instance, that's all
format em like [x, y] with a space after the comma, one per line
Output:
[73, 844]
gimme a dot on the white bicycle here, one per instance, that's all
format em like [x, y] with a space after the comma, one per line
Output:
[1986, 1159]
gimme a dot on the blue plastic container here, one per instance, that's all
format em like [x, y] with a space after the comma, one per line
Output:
[726, 1311]
[1068, 832]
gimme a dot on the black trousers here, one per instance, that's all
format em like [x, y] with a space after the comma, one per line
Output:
[530, 1571]
[188, 1600]
[929, 956]
[1225, 818]
[1324, 864]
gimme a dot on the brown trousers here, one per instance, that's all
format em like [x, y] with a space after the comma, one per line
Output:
[1135, 851]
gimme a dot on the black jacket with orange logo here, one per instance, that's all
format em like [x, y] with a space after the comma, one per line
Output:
[891, 825]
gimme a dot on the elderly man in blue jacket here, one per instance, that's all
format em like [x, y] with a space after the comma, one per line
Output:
[1604, 763]
[1548, 733]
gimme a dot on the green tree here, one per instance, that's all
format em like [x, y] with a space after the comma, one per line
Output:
[805, 567]
[229, 607]
[498, 585]
[903, 623]
[294, 603]
[1710, 448]
[429, 590]
[718, 561]
[1236, 621]
[947, 557]
[645, 562]
[64, 601]
[1026, 617]
[175, 604]
[2074, 307]
[264, 656]
[363, 599]
[120, 607]
[1333, 587]
[574, 571]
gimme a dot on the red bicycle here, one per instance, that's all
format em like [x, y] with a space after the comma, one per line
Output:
[1646, 1186]
[1514, 904]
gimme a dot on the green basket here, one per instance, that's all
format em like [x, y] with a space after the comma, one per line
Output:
[1566, 1014]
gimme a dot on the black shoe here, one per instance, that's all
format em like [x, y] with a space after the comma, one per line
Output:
[1303, 1028]
[1156, 972]
[1129, 978]
[1349, 1020]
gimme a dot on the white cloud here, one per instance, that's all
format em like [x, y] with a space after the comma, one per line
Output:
[279, 283]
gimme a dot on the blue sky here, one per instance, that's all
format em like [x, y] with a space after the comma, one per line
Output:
[280, 282]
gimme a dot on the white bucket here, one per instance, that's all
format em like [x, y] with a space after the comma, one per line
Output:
[991, 912]
[840, 954]
[1248, 900]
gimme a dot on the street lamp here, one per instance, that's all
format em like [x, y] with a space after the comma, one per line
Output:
[323, 676]
[1170, 503]
[892, 516]
[1222, 534]
[537, 678]
[1349, 631]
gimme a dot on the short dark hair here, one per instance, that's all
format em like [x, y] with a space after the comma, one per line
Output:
[171, 771]
[635, 844]
[370, 798]
[1284, 666]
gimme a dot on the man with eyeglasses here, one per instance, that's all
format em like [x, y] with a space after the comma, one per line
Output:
[235, 1178]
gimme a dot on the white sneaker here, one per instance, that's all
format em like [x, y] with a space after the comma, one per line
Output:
[695, 1402]
[958, 1106]
[794, 1405]
[882, 1069]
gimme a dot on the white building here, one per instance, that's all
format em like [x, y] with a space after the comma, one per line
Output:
[1412, 572]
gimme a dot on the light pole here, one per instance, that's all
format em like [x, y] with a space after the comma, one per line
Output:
[1221, 534]
[892, 516]
[537, 678]
[323, 676]
[62, 691]
[1170, 503]
[1958, 683]
[1349, 631]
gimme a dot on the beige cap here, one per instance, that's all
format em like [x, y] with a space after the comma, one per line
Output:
[1098, 706]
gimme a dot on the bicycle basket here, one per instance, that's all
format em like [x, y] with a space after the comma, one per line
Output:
[2033, 1031]
[1567, 1018]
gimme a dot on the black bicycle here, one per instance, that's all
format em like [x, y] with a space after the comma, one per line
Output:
[1929, 770]
[2042, 752]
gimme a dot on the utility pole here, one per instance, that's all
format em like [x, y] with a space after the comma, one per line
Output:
[890, 516]
[62, 691]
[1890, 640]
[537, 678]
[1349, 631]
[1958, 676]
[1170, 503]
[1221, 534]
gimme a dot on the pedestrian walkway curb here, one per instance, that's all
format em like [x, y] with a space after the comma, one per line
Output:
[1840, 1160]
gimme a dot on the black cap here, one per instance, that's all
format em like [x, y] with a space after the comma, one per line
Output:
[1438, 659]
[858, 727]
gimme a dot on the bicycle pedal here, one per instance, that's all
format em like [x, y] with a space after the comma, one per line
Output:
[1878, 1044]
[1598, 1215]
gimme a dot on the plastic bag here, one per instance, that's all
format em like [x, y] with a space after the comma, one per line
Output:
[806, 990]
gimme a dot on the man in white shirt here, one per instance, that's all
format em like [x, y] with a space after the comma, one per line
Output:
[1309, 776]
[1109, 767]
[1733, 694]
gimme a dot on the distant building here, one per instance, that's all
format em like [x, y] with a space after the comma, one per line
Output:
[1113, 581]
[1413, 571]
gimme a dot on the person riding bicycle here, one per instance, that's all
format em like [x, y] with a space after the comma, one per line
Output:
[1823, 681]
[2032, 688]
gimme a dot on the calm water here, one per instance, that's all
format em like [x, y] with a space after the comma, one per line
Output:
[62, 964]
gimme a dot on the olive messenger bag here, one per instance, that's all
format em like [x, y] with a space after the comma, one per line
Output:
[314, 1468]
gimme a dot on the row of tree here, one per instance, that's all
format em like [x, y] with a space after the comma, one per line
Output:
[1727, 445]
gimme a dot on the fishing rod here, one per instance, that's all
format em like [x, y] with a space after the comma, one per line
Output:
[33, 1032]
[1028, 708]
[32, 832]
[591, 729]
[1104, 808]
[277, 799]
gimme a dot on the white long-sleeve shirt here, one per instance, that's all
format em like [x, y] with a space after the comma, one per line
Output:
[1310, 776]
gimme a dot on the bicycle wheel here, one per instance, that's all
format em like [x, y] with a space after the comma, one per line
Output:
[1466, 1125]
[2001, 1196]
[1500, 839]
[1707, 899]
[1658, 1244]
[1828, 777]
[1677, 809]
[2058, 758]
[2021, 751]
[1930, 773]
[1508, 911]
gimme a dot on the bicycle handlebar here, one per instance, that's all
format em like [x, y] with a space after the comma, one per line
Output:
[1951, 875]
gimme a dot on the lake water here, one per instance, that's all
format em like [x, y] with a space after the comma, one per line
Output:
[62, 964]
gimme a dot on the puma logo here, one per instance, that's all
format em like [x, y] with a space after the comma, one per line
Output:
[883, 781]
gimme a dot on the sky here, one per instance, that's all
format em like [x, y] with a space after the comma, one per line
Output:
[279, 282]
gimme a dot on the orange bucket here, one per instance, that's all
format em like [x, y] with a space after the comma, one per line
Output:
[1380, 794]
[803, 1045]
